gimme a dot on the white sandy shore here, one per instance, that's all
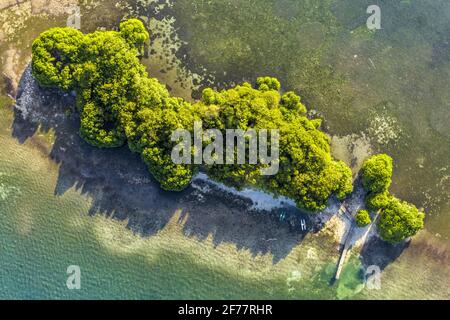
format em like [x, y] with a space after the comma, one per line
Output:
[335, 223]
[261, 200]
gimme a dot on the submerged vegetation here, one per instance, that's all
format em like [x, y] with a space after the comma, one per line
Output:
[120, 104]
[399, 219]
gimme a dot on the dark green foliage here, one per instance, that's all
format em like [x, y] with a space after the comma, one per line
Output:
[119, 103]
[362, 218]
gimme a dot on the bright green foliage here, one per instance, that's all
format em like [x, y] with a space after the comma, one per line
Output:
[362, 218]
[377, 173]
[149, 94]
[101, 67]
[377, 201]
[292, 103]
[117, 100]
[134, 32]
[96, 129]
[106, 77]
[119, 103]
[307, 174]
[148, 123]
[399, 221]
[154, 127]
[55, 55]
[268, 83]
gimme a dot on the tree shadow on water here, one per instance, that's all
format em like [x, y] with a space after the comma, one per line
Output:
[381, 253]
[121, 187]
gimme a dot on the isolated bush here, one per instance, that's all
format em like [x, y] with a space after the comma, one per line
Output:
[399, 221]
[362, 218]
[377, 173]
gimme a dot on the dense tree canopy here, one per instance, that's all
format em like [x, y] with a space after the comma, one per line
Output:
[134, 32]
[119, 103]
[307, 174]
[377, 173]
[399, 220]
[377, 201]
[55, 55]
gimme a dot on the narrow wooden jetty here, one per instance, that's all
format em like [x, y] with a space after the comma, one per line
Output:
[348, 241]
[347, 246]
[343, 211]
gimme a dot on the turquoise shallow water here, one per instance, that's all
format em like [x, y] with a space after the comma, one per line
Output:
[41, 233]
